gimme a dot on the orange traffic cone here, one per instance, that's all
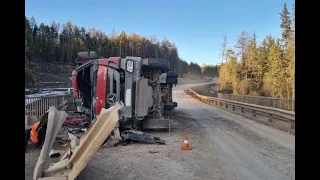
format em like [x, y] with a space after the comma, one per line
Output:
[185, 144]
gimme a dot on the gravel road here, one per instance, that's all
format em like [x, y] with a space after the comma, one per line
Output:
[224, 146]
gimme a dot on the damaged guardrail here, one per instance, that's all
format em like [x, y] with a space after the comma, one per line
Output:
[76, 157]
[287, 115]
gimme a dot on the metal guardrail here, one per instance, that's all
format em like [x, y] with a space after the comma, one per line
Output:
[69, 90]
[270, 111]
[281, 103]
[37, 106]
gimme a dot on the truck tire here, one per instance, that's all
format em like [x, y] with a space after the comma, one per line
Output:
[156, 64]
[85, 55]
[172, 74]
[172, 81]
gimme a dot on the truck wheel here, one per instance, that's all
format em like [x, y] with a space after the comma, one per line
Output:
[85, 55]
[156, 64]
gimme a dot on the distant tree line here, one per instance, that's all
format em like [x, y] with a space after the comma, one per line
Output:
[210, 70]
[266, 69]
[61, 43]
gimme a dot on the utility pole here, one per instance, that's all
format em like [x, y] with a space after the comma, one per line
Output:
[224, 46]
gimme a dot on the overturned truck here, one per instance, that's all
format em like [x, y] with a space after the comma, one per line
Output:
[144, 86]
[120, 96]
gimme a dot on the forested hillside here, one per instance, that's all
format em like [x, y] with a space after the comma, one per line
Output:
[266, 69]
[60, 43]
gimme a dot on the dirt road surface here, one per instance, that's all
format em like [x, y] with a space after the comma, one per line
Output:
[224, 146]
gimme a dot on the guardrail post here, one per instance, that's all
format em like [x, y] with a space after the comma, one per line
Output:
[226, 105]
[216, 103]
[254, 113]
[242, 110]
[220, 104]
[233, 107]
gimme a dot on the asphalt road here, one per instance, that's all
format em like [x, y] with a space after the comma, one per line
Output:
[224, 146]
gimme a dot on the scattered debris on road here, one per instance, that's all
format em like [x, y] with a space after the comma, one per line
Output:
[76, 152]
[130, 136]
[153, 152]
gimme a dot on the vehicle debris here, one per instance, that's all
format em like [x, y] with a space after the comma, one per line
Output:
[130, 136]
[77, 119]
[153, 152]
[76, 157]
[59, 147]
[76, 130]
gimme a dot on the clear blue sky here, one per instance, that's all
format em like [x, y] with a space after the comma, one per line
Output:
[196, 26]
